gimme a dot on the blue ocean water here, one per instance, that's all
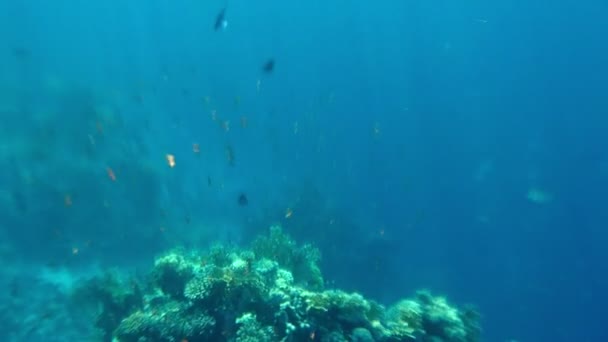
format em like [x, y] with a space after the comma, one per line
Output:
[453, 146]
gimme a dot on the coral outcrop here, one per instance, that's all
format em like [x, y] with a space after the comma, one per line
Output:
[272, 292]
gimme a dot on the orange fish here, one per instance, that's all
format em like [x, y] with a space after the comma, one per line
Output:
[229, 155]
[67, 200]
[99, 127]
[111, 174]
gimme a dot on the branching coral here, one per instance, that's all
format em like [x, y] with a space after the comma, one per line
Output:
[301, 261]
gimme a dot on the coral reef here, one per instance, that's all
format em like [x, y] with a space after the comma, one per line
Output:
[273, 292]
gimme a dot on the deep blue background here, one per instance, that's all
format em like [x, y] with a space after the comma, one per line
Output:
[405, 136]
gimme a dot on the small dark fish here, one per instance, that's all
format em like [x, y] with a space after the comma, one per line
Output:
[20, 201]
[220, 20]
[14, 288]
[47, 314]
[54, 264]
[243, 201]
[21, 53]
[268, 67]
[208, 180]
[137, 98]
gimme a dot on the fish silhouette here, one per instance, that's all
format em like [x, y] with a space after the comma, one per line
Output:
[268, 67]
[243, 201]
[220, 20]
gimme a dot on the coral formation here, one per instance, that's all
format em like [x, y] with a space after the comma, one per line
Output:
[273, 292]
